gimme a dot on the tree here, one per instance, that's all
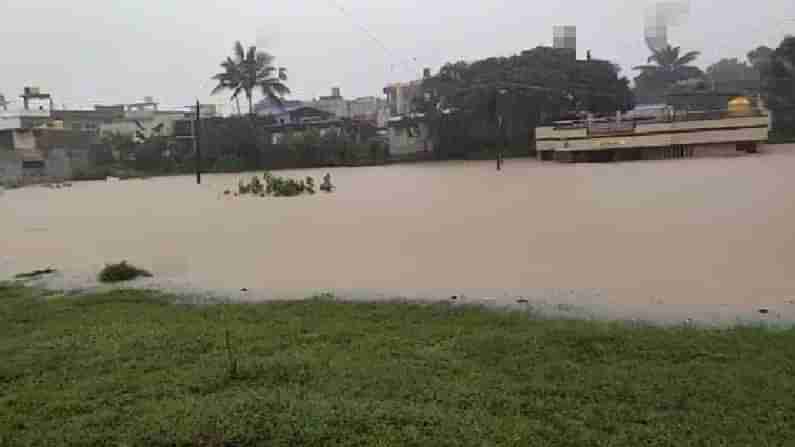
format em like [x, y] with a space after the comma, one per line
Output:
[249, 70]
[778, 86]
[668, 61]
[665, 68]
[760, 57]
[731, 75]
[731, 70]
[462, 101]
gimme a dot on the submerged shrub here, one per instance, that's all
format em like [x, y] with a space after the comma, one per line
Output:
[277, 186]
[122, 272]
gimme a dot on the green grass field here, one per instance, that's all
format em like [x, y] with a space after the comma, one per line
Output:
[133, 368]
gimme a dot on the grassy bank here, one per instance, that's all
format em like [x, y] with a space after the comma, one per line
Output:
[132, 368]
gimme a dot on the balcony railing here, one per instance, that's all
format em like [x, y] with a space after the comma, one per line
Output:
[9, 114]
[611, 128]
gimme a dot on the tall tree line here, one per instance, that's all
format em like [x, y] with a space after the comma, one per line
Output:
[500, 100]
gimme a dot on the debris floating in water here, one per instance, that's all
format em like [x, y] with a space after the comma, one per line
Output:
[280, 186]
[35, 273]
[326, 185]
[122, 272]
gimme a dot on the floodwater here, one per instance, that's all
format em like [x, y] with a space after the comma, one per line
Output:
[709, 239]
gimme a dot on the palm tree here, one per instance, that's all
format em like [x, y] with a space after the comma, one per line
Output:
[250, 70]
[670, 65]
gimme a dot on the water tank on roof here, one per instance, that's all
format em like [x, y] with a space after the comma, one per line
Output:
[740, 106]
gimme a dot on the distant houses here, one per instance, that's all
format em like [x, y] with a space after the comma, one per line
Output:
[31, 146]
[408, 130]
[392, 118]
[137, 120]
[39, 142]
[368, 108]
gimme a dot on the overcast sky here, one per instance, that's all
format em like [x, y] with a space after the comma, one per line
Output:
[100, 51]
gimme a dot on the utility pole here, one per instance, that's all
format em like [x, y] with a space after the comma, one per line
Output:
[501, 142]
[500, 121]
[197, 145]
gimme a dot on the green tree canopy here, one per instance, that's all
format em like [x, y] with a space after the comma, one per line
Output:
[523, 90]
[732, 75]
[668, 60]
[665, 68]
[778, 86]
[760, 57]
[553, 79]
[730, 70]
[249, 70]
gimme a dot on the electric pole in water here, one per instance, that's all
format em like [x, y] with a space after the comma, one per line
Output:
[499, 120]
[501, 140]
[197, 145]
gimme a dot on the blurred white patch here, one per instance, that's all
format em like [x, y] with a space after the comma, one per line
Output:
[660, 16]
[171, 265]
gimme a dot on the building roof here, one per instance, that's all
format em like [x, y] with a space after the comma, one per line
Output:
[88, 115]
[269, 107]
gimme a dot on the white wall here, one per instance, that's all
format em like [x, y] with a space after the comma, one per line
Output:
[716, 132]
[24, 140]
[401, 143]
[337, 106]
[148, 121]
[10, 167]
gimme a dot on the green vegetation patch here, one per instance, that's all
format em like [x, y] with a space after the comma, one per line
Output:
[134, 368]
[122, 272]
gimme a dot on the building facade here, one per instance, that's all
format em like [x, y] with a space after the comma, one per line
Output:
[32, 151]
[400, 97]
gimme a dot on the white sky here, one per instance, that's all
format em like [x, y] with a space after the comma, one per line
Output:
[104, 51]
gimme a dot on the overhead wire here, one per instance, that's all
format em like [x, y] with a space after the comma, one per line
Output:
[388, 51]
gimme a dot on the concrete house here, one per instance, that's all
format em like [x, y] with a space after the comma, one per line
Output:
[33, 148]
[143, 118]
[707, 124]
[409, 135]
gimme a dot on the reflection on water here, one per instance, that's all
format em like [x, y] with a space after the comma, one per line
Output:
[689, 232]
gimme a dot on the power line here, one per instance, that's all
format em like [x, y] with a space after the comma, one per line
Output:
[361, 27]
[367, 32]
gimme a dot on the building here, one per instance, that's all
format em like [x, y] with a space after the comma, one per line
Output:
[675, 133]
[334, 104]
[409, 136]
[205, 110]
[136, 120]
[268, 107]
[400, 97]
[369, 108]
[89, 120]
[143, 120]
[565, 38]
[408, 131]
[33, 147]
[298, 120]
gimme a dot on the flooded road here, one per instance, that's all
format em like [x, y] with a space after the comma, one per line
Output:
[711, 238]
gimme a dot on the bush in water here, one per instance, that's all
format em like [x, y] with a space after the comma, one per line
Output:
[277, 186]
[122, 272]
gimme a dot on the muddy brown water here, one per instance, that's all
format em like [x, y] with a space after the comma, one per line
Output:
[708, 238]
